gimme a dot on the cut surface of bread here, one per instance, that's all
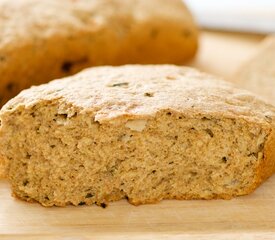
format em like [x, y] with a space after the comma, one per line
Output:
[44, 40]
[144, 133]
[258, 74]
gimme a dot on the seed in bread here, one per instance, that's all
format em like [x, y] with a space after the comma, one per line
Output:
[144, 133]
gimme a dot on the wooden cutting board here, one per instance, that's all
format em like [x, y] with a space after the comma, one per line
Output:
[248, 217]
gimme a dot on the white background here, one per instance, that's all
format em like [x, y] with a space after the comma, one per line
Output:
[242, 15]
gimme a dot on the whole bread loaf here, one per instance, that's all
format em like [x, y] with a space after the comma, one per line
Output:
[258, 73]
[144, 133]
[44, 40]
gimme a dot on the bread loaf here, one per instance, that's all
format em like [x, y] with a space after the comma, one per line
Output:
[44, 40]
[258, 74]
[144, 133]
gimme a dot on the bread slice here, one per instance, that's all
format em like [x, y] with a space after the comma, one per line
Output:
[44, 40]
[258, 74]
[144, 133]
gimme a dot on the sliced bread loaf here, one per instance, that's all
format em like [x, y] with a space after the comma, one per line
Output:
[144, 133]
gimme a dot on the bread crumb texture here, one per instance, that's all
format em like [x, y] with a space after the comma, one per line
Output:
[44, 40]
[144, 133]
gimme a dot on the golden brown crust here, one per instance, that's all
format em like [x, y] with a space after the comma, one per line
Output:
[3, 165]
[62, 37]
[3, 170]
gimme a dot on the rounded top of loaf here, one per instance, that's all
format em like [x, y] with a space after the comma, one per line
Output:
[32, 19]
[138, 91]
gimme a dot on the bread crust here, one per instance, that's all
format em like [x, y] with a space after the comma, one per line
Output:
[60, 38]
[3, 168]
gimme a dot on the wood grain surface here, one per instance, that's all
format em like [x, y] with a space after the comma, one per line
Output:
[247, 217]
[223, 53]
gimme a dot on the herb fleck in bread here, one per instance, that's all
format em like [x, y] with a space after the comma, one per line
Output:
[258, 74]
[144, 133]
[44, 40]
